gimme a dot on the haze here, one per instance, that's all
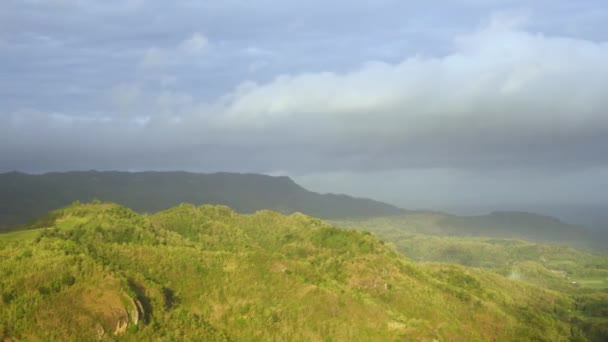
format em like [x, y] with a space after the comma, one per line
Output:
[461, 105]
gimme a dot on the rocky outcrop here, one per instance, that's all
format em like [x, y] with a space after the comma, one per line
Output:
[116, 310]
[136, 312]
[122, 321]
[123, 317]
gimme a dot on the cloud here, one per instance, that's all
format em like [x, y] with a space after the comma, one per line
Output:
[412, 102]
[125, 96]
[255, 51]
[196, 44]
[501, 97]
[154, 58]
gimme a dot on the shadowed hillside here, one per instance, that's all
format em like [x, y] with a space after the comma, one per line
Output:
[101, 271]
[24, 197]
[503, 225]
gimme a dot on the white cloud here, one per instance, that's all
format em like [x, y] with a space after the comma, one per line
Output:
[503, 97]
[196, 44]
[255, 51]
[499, 83]
[155, 58]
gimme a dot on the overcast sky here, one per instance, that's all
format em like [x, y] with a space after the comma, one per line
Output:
[453, 104]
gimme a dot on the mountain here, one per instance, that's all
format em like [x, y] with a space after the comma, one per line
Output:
[504, 224]
[24, 197]
[100, 271]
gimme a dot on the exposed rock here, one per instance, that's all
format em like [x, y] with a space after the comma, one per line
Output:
[121, 318]
[100, 331]
[136, 312]
[140, 312]
[125, 316]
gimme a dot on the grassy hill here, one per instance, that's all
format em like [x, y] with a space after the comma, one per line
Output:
[559, 265]
[24, 197]
[101, 271]
[556, 266]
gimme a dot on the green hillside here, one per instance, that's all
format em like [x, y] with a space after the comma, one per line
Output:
[101, 271]
[431, 237]
[501, 225]
[24, 197]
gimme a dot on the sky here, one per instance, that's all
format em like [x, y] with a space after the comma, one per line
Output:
[461, 105]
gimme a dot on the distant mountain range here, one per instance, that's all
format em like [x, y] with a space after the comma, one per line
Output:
[24, 197]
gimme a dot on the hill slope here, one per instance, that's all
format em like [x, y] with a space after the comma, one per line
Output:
[510, 225]
[24, 197]
[207, 273]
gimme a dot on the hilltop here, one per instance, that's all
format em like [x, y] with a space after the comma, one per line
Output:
[101, 271]
[24, 197]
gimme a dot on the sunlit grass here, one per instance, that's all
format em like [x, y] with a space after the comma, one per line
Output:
[208, 273]
[594, 283]
[20, 235]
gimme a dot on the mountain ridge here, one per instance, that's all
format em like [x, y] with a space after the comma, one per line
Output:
[24, 197]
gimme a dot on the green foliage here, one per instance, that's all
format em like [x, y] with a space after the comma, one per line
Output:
[207, 273]
[549, 265]
[581, 273]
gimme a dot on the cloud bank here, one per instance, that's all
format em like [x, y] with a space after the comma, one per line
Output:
[501, 97]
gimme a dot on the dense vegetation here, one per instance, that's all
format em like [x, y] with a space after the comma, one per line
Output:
[101, 271]
[561, 265]
[24, 197]
[431, 237]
